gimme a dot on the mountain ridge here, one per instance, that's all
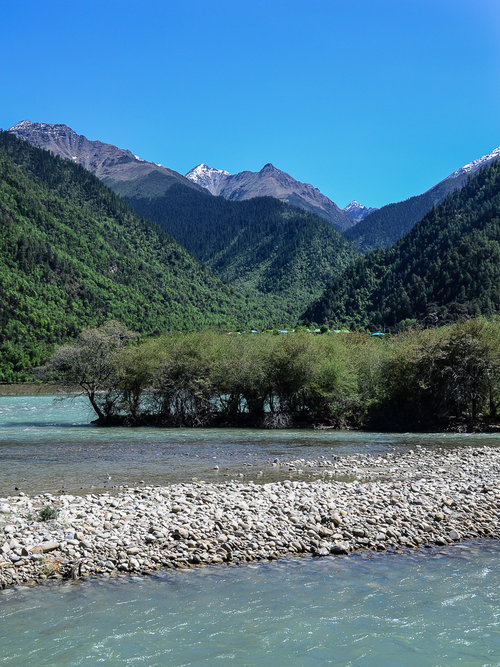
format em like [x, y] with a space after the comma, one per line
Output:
[270, 182]
[446, 267]
[117, 167]
[260, 245]
[386, 225]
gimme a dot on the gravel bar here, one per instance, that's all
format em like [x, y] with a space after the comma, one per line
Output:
[395, 501]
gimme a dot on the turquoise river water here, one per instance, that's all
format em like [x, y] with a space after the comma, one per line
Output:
[415, 609]
[48, 445]
[431, 607]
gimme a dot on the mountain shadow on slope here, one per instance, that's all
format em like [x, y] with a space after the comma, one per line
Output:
[447, 267]
[73, 254]
[259, 244]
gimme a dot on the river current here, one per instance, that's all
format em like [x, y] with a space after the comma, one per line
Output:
[429, 607]
[47, 444]
[413, 609]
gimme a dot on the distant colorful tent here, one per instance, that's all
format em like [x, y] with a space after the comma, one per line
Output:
[377, 333]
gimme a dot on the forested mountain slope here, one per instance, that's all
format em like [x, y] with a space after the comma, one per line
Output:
[386, 225]
[260, 244]
[283, 252]
[448, 266]
[72, 254]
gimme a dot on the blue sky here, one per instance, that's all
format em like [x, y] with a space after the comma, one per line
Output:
[374, 100]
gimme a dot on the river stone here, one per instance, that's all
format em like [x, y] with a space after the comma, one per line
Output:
[48, 546]
[133, 551]
[340, 548]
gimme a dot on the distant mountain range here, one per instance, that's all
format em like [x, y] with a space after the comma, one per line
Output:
[446, 267]
[131, 176]
[262, 245]
[384, 226]
[270, 182]
[136, 179]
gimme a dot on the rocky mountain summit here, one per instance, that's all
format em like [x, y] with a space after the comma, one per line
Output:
[117, 167]
[208, 177]
[358, 211]
[270, 182]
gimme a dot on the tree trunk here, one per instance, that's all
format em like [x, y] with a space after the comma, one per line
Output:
[100, 415]
[493, 407]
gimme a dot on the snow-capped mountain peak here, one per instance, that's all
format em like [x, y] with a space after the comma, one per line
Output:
[208, 177]
[474, 166]
[358, 211]
[269, 182]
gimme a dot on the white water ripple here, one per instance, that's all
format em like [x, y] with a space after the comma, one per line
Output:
[414, 610]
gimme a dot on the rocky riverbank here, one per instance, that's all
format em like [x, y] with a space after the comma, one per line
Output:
[394, 501]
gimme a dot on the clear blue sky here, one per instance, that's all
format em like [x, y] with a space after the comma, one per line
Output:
[373, 100]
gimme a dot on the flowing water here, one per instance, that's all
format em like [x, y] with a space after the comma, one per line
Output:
[48, 445]
[415, 609]
[434, 607]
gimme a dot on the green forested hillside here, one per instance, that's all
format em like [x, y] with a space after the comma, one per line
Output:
[73, 254]
[260, 244]
[388, 224]
[448, 266]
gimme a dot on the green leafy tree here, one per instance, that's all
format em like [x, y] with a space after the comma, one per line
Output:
[90, 364]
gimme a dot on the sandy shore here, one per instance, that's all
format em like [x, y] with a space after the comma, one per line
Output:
[394, 501]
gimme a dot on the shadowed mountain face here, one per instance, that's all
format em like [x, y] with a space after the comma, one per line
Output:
[125, 172]
[446, 268]
[386, 225]
[258, 246]
[270, 182]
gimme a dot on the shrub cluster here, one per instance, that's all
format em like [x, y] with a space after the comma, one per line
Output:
[419, 379]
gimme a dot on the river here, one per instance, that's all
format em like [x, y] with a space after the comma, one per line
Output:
[415, 609]
[428, 607]
[47, 444]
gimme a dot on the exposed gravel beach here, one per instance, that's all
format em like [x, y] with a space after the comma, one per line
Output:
[394, 501]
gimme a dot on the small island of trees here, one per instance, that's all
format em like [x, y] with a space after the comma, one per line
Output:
[420, 379]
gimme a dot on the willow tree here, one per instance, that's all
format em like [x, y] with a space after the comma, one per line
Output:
[89, 364]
